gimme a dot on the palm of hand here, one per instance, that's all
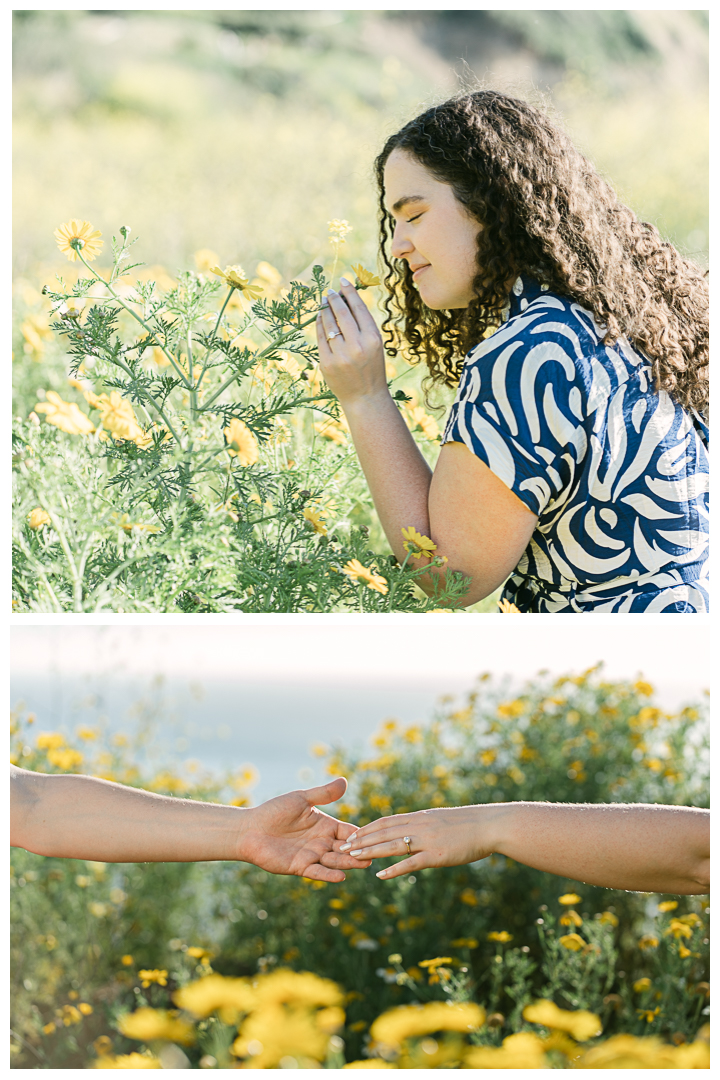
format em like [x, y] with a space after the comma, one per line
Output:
[288, 835]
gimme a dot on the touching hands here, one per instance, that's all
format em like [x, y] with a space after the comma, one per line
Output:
[350, 348]
[446, 836]
[289, 835]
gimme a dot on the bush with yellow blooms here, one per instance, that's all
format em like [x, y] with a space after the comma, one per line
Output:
[194, 460]
[491, 965]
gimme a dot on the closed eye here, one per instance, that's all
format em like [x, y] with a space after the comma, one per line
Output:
[414, 218]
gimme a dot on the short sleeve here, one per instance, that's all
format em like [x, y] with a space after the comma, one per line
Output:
[520, 409]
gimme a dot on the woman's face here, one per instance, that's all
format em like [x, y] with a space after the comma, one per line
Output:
[434, 233]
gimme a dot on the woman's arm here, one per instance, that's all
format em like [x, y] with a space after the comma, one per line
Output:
[477, 523]
[82, 817]
[638, 847]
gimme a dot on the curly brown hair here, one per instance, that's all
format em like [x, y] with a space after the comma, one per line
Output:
[545, 212]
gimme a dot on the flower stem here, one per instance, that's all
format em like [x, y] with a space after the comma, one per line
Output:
[137, 318]
[159, 409]
[208, 353]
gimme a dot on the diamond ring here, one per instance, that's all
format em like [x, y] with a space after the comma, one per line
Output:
[333, 334]
[406, 842]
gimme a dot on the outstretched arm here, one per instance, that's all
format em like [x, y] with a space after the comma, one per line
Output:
[638, 847]
[82, 817]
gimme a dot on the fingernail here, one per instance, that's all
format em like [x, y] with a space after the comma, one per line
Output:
[344, 281]
[344, 847]
[355, 853]
[381, 873]
[332, 292]
[351, 838]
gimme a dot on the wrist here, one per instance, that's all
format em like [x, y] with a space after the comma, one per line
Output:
[368, 404]
[501, 826]
[240, 838]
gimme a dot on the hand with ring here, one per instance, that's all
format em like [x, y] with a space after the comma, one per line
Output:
[350, 348]
[445, 836]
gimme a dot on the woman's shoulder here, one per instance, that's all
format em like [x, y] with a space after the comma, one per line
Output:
[548, 336]
[535, 315]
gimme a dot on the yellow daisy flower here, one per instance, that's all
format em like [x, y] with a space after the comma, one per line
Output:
[316, 519]
[153, 975]
[507, 608]
[65, 415]
[417, 544]
[74, 235]
[234, 276]
[129, 1061]
[572, 942]
[38, 517]
[365, 277]
[242, 444]
[148, 1024]
[118, 417]
[581, 1024]
[357, 572]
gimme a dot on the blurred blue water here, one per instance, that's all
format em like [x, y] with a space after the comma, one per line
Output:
[225, 723]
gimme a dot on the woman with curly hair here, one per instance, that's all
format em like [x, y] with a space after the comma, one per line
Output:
[574, 460]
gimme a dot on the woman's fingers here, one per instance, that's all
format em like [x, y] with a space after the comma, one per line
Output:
[375, 833]
[328, 324]
[338, 861]
[344, 317]
[415, 862]
[384, 850]
[357, 306]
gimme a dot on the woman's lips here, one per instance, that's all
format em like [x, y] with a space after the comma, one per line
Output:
[420, 270]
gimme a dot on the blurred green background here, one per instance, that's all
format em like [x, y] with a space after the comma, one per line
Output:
[245, 131]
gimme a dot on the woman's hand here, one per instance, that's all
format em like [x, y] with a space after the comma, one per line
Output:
[350, 346]
[447, 836]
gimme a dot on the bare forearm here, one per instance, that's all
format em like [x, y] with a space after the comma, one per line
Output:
[397, 474]
[81, 817]
[641, 848]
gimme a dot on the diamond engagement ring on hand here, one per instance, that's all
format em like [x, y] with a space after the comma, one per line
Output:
[333, 334]
[406, 842]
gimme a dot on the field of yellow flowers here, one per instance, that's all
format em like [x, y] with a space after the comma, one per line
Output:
[492, 965]
[176, 448]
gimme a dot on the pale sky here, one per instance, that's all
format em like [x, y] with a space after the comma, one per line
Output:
[417, 653]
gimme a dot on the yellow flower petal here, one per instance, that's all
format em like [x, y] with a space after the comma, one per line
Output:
[417, 544]
[38, 517]
[357, 572]
[74, 235]
[581, 1024]
[65, 415]
[365, 277]
[242, 444]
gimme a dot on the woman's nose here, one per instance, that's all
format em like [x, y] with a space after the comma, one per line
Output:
[401, 244]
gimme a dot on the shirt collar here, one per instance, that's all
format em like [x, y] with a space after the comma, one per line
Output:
[524, 291]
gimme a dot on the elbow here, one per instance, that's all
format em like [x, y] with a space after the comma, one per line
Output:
[702, 878]
[471, 591]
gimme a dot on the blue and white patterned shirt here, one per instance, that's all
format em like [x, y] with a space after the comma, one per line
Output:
[617, 473]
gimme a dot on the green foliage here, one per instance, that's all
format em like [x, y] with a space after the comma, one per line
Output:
[195, 503]
[578, 739]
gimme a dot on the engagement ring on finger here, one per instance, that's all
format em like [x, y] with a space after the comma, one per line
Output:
[334, 333]
[406, 842]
